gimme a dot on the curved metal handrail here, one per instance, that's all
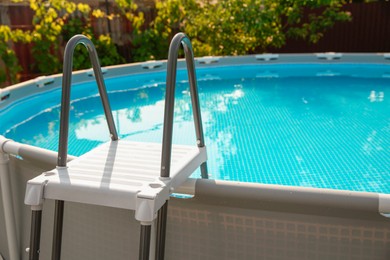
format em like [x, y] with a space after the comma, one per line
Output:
[180, 39]
[65, 100]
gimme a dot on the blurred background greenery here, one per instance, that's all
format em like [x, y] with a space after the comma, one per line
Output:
[125, 31]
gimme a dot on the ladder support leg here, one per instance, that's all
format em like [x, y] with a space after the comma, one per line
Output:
[161, 231]
[35, 236]
[203, 171]
[144, 244]
[57, 232]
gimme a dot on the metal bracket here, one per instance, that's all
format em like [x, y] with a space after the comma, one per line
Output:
[91, 73]
[152, 64]
[329, 56]
[43, 81]
[208, 60]
[267, 57]
[4, 95]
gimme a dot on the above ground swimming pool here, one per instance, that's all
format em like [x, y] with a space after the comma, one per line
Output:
[306, 122]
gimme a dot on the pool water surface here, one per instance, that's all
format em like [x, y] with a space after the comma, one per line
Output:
[325, 126]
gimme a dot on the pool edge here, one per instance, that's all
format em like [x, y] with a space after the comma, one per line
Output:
[249, 195]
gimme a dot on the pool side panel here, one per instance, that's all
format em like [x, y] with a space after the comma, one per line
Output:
[225, 220]
[208, 228]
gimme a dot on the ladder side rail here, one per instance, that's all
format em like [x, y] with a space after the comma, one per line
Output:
[189, 55]
[179, 39]
[195, 101]
[65, 100]
[64, 122]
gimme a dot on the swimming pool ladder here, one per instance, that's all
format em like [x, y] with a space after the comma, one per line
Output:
[97, 177]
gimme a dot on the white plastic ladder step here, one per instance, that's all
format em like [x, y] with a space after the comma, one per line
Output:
[117, 174]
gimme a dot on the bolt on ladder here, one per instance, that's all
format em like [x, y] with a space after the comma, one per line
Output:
[97, 176]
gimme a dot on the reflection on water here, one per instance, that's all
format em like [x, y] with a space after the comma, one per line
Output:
[376, 97]
[331, 132]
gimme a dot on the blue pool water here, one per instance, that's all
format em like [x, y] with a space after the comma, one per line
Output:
[325, 126]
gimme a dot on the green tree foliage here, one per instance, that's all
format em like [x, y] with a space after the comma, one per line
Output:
[55, 22]
[80, 23]
[7, 55]
[172, 17]
[228, 27]
[234, 27]
[127, 10]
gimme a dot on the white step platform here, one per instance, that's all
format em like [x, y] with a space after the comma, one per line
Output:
[120, 174]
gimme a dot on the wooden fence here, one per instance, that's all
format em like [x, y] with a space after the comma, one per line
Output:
[369, 31]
